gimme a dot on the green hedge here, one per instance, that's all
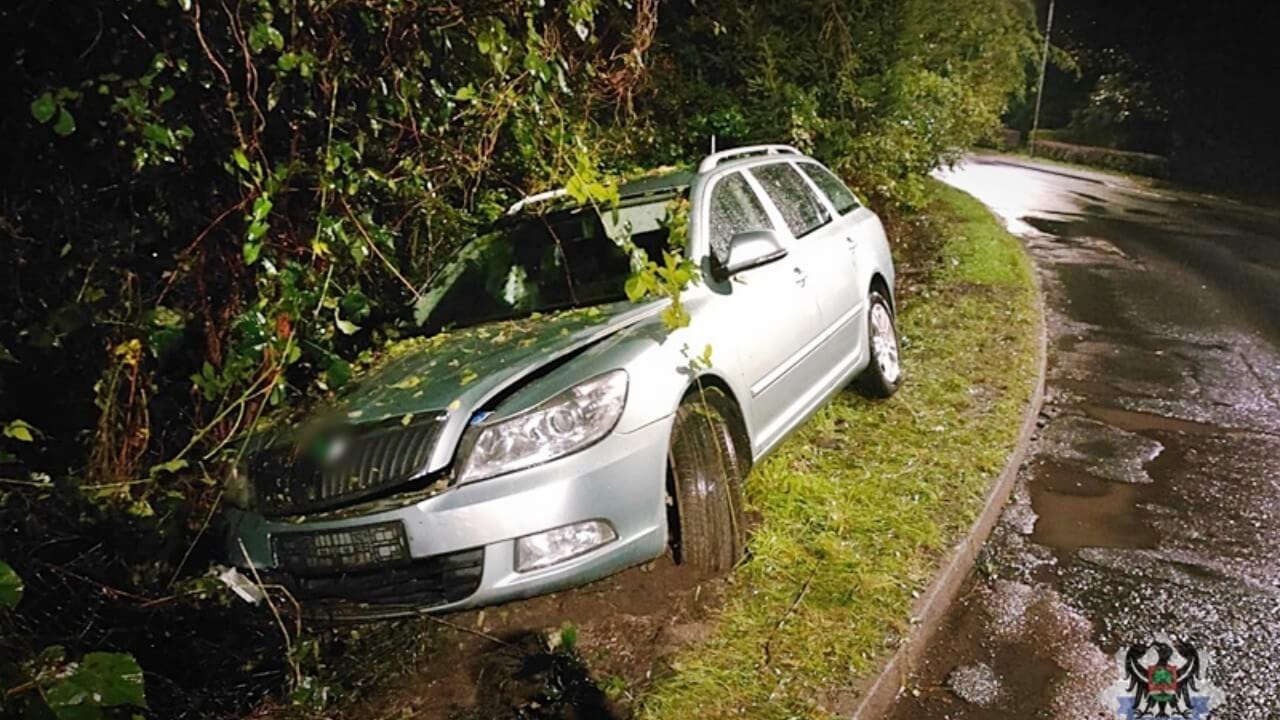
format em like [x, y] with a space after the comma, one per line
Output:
[1136, 163]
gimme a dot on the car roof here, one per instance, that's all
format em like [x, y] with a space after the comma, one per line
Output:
[670, 181]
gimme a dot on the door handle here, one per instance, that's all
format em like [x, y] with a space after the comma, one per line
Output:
[801, 276]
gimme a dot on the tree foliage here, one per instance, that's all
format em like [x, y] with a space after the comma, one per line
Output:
[214, 211]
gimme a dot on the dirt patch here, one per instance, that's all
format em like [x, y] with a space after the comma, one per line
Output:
[581, 654]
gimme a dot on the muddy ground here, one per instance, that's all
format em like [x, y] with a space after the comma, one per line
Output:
[1150, 502]
[499, 662]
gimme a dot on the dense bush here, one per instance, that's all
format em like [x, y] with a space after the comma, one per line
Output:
[213, 211]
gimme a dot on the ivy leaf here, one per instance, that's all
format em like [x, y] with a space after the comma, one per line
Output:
[636, 287]
[43, 108]
[241, 160]
[346, 326]
[66, 124]
[261, 207]
[10, 587]
[171, 466]
[568, 636]
[338, 373]
[257, 229]
[262, 35]
[252, 249]
[19, 430]
[355, 305]
[99, 680]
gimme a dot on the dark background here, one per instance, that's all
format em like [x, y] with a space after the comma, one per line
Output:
[1200, 80]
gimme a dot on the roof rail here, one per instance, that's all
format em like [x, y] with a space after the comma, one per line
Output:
[533, 199]
[711, 161]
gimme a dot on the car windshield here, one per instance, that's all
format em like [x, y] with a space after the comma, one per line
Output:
[565, 258]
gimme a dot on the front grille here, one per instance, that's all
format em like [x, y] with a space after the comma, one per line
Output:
[357, 548]
[294, 480]
[422, 583]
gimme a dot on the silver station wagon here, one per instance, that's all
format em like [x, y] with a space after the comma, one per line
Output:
[545, 431]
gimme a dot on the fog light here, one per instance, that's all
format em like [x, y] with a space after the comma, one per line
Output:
[543, 549]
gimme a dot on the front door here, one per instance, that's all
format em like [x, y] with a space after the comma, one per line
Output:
[772, 311]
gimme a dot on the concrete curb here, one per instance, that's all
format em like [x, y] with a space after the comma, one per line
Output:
[878, 693]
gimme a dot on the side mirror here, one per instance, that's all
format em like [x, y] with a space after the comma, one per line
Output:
[750, 249]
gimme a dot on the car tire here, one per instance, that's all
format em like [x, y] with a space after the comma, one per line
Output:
[706, 469]
[883, 374]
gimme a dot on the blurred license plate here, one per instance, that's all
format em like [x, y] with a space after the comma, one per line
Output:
[356, 548]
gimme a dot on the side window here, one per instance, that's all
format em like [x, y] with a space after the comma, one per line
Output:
[836, 191]
[734, 209]
[800, 208]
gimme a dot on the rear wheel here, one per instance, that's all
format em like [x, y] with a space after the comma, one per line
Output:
[883, 374]
[706, 471]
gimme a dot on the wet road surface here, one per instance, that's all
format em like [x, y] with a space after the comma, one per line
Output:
[1150, 500]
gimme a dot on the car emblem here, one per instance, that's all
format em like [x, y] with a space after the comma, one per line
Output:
[327, 450]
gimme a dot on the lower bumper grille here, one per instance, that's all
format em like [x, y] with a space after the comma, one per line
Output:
[423, 583]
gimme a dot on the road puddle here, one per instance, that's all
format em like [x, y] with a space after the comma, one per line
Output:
[1135, 421]
[1077, 510]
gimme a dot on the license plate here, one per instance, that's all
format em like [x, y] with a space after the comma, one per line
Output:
[328, 551]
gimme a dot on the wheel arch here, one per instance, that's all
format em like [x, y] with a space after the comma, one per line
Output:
[879, 283]
[731, 407]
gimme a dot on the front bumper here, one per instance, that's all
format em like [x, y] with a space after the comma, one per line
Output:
[473, 528]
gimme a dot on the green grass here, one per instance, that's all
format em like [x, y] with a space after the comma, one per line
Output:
[860, 507]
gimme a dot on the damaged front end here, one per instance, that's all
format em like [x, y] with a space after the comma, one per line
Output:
[362, 513]
[339, 479]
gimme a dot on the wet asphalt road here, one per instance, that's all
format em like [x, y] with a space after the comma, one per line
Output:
[1150, 500]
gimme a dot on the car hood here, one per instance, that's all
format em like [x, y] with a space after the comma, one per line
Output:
[453, 374]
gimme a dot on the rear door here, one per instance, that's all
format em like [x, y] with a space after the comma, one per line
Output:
[769, 315]
[853, 225]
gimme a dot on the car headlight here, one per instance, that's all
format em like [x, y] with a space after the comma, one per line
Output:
[238, 490]
[556, 427]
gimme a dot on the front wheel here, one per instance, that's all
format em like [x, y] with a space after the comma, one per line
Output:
[706, 473]
[883, 374]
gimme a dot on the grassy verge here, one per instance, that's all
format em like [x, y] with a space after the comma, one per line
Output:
[860, 506]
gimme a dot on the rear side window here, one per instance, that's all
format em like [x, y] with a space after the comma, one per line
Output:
[734, 209]
[800, 208]
[841, 198]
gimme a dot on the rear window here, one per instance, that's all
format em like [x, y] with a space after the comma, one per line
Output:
[842, 199]
[800, 208]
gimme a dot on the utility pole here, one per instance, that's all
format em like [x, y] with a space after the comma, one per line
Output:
[1044, 65]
